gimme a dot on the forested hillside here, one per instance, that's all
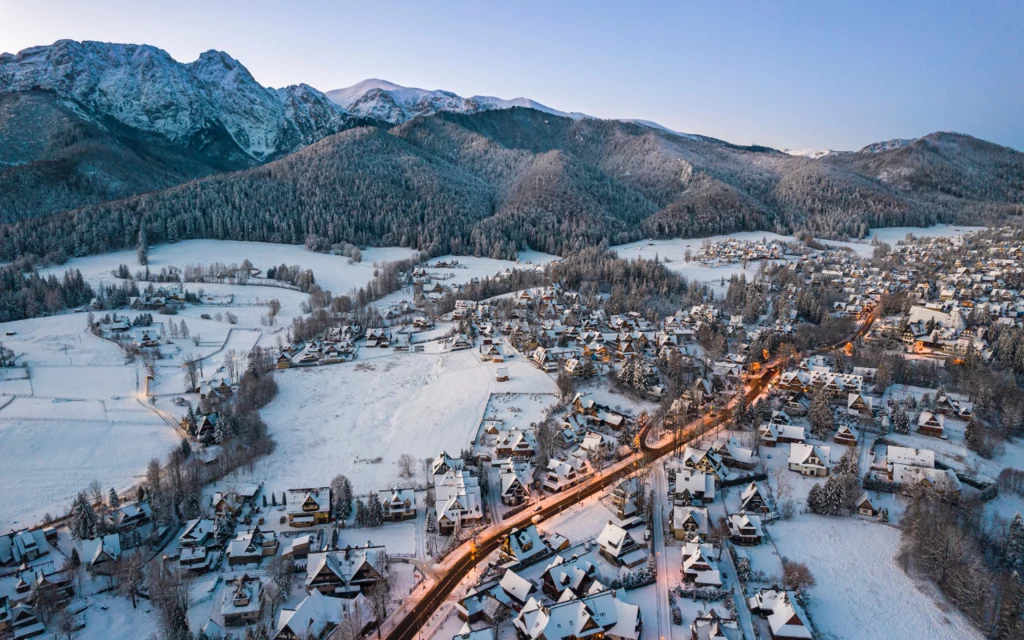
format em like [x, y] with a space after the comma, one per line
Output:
[494, 182]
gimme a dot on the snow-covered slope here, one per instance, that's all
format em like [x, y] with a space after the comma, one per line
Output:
[144, 88]
[888, 145]
[813, 154]
[394, 103]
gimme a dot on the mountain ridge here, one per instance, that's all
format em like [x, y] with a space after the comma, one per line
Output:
[494, 182]
[97, 141]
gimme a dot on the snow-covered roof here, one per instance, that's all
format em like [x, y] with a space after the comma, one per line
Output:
[910, 457]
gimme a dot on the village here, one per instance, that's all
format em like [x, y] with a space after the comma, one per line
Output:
[647, 472]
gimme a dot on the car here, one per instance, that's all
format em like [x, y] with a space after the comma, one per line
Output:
[536, 519]
[537, 508]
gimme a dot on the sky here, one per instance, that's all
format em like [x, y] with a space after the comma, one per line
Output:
[795, 75]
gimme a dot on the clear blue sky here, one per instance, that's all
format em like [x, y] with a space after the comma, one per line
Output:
[786, 74]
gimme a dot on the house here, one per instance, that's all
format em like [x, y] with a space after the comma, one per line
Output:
[598, 615]
[317, 615]
[487, 602]
[515, 443]
[501, 374]
[733, 454]
[308, 507]
[458, 500]
[444, 463]
[712, 626]
[931, 424]
[707, 461]
[22, 546]
[940, 480]
[24, 622]
[809, 460]
[864, 506]
[517, 588]
[345, 573]
[687, 522]
[786, 619]
[130, 516]
[523, 546]
[619, 547]
[752, 500]
[101, 554]
[745, 529]
[700, 564]
[846, 435]
[398, 504]
[244, 603]
[197, 533]
[252, 546]
[577, 574]
[626, 496]
[907, 456]
[860, 405]
[773, 434]
[514, 478]
[693, 486]
[563, 474]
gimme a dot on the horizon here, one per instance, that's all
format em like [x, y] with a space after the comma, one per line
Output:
[786, 76]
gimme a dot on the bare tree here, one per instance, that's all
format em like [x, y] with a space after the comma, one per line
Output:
[169, 592]
[130, 576]
[191, 366]
[231, 364]
[796, 575]
[352, 621]
[65, 624]
[273, 307]
[280, 570]
[96, 491]
[406, 465]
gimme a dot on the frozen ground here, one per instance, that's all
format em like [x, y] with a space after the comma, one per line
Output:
[342, 418]
[861, 592]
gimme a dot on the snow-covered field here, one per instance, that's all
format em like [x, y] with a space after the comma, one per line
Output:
[45, 461]
[333, 273]
[469, 268]
[341, 418]
[69, 417]
[860, 591]
[892, 235]
[675, 249]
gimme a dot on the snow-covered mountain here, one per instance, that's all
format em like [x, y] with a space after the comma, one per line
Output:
[888, 145]
[383, 100]
[144, 88]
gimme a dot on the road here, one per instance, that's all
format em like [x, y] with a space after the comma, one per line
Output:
[661, 557]
[465, 558]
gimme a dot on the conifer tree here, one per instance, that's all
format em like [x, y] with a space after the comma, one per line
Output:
[83, 518]
[900, 420]
[360, 513]
[1013, 551]
[820, 414]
